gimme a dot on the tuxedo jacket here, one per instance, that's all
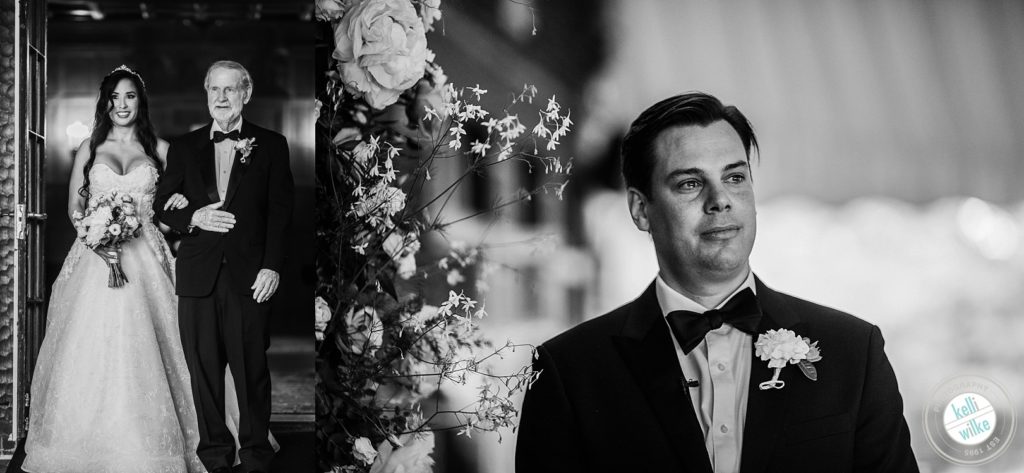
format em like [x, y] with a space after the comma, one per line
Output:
[260, 194]
[610, 398]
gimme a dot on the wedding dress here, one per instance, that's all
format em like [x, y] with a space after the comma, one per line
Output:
[111, 390]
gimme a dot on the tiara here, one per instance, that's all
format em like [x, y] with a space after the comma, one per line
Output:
[129, 70]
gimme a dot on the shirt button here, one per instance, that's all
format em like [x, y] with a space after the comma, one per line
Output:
[724, 429]
[721, 367]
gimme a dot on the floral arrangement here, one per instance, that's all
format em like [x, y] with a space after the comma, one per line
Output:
[392, 325]
[109, 221]
[244, 147]
[781, 347]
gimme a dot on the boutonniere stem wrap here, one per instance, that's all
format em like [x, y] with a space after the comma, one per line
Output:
[784, 347]
[245, 146]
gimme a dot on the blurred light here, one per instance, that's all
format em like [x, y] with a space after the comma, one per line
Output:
[77, 132]
[990, 229]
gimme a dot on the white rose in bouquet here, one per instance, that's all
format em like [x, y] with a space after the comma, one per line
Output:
[131, 222]
[101, 217]
[381, 48]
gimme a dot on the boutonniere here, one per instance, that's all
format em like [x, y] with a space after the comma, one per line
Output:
[783, 347]
[245, 146]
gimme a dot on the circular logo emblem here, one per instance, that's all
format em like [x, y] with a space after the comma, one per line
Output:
[969, 420]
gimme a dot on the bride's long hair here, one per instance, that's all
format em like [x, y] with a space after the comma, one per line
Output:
[102, 124]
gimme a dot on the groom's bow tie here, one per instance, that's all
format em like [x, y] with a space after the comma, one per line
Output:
[220, 136]
[690, 327]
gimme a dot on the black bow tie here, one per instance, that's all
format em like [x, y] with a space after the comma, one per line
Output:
[220, 136]
[742, 312]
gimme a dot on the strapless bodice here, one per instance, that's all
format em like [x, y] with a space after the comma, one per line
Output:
[139, 183]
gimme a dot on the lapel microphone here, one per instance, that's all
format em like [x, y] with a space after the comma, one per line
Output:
[689, 383]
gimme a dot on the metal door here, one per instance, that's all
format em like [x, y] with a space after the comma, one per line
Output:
[22, 217]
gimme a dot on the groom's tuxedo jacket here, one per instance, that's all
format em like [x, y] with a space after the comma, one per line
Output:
[259, 194]
[610, 398]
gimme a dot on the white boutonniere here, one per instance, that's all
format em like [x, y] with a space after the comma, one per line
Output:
[245, 146]
[783, 347]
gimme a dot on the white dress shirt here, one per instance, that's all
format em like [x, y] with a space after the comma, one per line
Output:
[224, 157]
[721, 363]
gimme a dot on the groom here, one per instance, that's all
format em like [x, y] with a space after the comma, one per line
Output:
[237, 179]
[671, 382]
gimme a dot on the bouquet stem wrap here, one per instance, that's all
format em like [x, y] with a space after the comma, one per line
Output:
[112, 256]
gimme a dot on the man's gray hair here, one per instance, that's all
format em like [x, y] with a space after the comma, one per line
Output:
[246, 78]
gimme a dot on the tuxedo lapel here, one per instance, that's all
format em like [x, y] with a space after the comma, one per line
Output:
[766, 410]
[646, 347]
[237, 168]
[207, 167]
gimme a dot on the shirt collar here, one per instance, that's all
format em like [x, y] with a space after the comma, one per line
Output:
[669, 299]
[216, 127]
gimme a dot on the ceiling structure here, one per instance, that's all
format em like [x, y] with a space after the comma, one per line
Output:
[195, 13]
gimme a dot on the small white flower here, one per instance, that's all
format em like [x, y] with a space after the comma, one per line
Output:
[114, 229]
[430, 113]
[480, 148]
[476, 90]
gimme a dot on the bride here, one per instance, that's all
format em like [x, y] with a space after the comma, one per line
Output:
[111, 390]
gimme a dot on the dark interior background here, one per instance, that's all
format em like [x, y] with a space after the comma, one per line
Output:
[171, 44]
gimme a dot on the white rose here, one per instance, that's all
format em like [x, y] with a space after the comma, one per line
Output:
[363, 450]
[101, 216]
[95, 234]
[412, 457]
[402, 250]
[430, 11]
[365, 330]
[381, 48]
[131, 222]
[330, 10]
[322, 317]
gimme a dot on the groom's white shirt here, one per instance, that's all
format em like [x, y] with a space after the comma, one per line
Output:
[721, 363]
[224, 157]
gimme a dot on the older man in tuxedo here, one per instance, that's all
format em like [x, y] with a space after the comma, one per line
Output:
[672, 380]
[238, 182]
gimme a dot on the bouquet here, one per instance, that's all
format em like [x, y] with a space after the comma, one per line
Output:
[108, 223]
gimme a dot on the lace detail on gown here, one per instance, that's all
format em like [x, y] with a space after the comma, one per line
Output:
[111, 392]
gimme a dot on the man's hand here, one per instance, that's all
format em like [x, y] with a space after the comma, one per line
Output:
[265, 285]
[212, 220]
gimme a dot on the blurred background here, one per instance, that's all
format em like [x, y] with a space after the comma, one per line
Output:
[888, 186]
[171, 44]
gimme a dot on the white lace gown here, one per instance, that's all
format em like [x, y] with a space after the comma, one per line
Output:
[111, 392]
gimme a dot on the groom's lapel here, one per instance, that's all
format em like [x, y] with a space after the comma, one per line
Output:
[646, 347]
[766, 410]
[207, 165]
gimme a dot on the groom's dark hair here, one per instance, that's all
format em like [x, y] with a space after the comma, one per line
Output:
[692, 108]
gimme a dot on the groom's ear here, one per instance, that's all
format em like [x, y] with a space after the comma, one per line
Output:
[248, 95]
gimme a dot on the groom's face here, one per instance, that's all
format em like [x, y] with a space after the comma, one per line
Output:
[700, 211]
[225, 95]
